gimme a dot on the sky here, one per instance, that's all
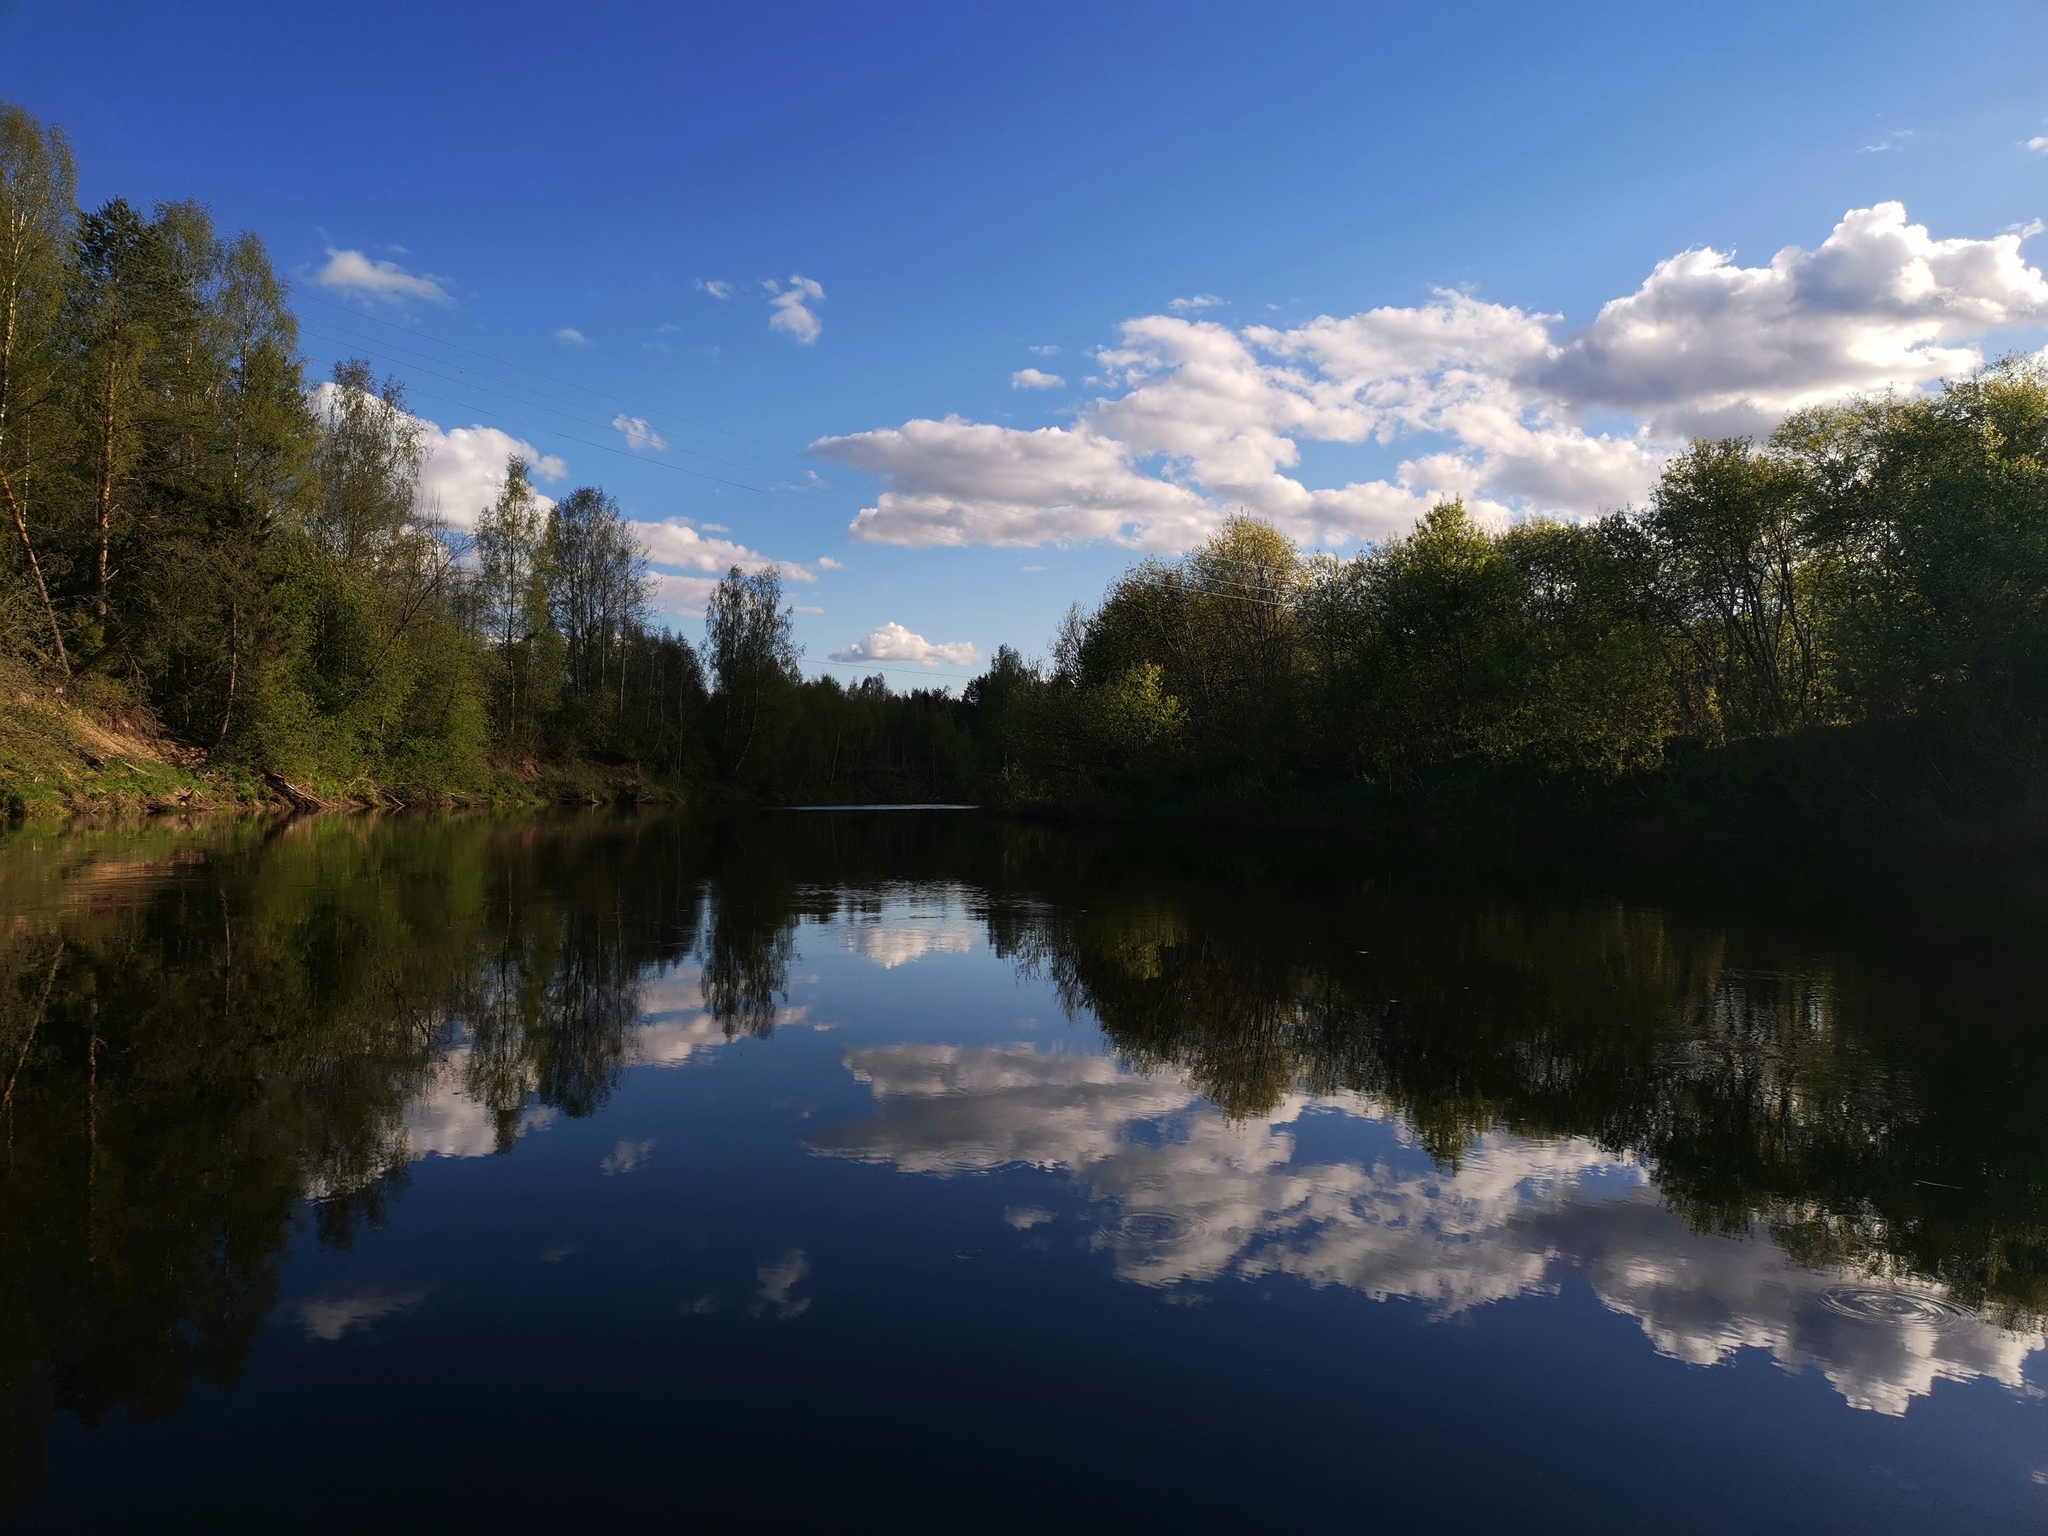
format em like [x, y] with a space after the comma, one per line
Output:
[951, 312]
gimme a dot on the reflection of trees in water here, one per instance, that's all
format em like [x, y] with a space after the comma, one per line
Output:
[213, 1049]
[235, 1023]
[1841, 1107]
[747, 952]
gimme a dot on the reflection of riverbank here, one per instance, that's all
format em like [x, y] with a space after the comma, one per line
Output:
[1195, 1197]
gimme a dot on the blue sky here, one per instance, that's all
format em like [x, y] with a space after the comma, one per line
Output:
[1408, 218]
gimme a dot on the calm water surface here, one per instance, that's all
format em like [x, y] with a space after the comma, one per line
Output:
[839, 1170]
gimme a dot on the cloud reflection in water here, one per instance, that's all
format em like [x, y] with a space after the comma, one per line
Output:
[1197, 1197]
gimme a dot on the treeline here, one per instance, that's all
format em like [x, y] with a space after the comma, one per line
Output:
[1859, 603]
[1852, 613]
[195, 537]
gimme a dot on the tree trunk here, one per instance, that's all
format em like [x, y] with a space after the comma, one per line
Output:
[103, 510]
[36, 569]
[234, 667]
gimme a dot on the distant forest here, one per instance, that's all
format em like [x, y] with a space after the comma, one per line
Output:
[1849, 616]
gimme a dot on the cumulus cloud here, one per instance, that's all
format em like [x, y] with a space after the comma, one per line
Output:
[1199, 301]
[963, 482]
[695, 561]
[685, 595]
[569, 336]
[2039, 144]
[328, 1318]
[1880, 302]
[1034, 378]
[465, 469]
[1180, 1194]
[778, 1283]
[717, 287]
[890, 940]
[1048, 350]
[352, 272]
[676, 542]
[1497, 402]
[792, 314]
[639, 435]
[447, 1120]
[627, 1155]
[892, 642]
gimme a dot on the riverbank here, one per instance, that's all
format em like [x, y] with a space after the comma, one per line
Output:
[62, 761]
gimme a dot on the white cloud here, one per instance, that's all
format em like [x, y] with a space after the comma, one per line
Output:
[827, 563]
[962, 482]
[1048, 350]
[717, 287]
[465, 469]
[364, 276]
[2038, 144]
[698, 562]
[1199, 301]
[675, 542]
[627, 1156]
[1032, 378]
[446, 1120]
[1879, 302]
[674, 1023]
[792, 316]
[1196, 417]
[951, 1109]
[1183, 1194]
[779, 1281]
[328, 1318]
[569, 336]
[638, 434]
[684, 595]
[890, 941]
[892, 642]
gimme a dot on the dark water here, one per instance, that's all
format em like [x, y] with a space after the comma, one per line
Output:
[907, 1171]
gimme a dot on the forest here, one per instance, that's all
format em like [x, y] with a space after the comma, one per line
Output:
[1850, 616]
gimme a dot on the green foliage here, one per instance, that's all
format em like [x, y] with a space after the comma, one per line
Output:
[195, 535]
[754, 660]
[1879, 567]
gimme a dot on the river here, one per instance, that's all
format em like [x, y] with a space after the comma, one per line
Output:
[914, 1169]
